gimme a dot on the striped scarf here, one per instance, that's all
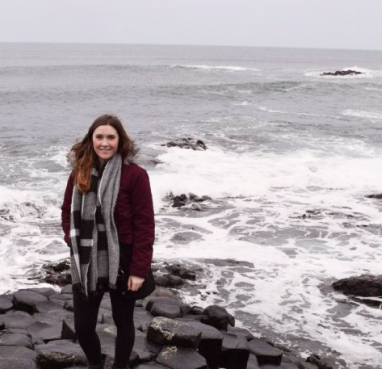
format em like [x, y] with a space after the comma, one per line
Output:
[93, 234]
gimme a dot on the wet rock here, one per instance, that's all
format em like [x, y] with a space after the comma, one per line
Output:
[161, 280]
[264, 352]
[364, 285]
[375, 196]
[181, 358]
[172, 332]
[319, 362]
[145, 349]
[174, 280]
[26, 300]
[341, 73]
[182, 200]
[58, 274]
[187, 143]
[218, 317]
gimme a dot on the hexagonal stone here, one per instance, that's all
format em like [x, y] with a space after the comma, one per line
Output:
[181, 358]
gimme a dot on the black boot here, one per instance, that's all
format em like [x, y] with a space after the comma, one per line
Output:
[99, 366]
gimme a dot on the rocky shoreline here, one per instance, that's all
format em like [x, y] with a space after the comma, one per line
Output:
[37, 332]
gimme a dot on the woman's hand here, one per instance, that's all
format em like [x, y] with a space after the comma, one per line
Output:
[134, 283]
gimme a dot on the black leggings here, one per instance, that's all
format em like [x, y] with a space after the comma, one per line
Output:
[85, 322]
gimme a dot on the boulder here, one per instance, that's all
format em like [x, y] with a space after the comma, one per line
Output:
[162, 300]
[5, 304]
[45, 332]
[14, 337]
[166, 310]
[26, 300]
[60, 354]
[17, 357]
[322, 363]
[252, 362]
[364, 285]
[181, 358]
[167, 331]
[17, 319]
[265, 353]
[218, 317]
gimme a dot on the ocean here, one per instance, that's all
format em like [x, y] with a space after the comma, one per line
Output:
[291, 156]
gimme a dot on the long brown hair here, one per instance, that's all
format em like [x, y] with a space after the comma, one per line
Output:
[84, 157]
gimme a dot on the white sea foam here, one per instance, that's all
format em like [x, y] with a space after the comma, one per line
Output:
[218, 68]
[373, 116]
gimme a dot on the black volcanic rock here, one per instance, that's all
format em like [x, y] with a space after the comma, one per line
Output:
[364, 285]
[341, 73]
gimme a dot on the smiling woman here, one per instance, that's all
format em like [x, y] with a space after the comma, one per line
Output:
[108, 221]
[105, 143]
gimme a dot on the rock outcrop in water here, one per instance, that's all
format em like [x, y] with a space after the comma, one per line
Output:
[187, 143]
[37, 332]
[366, 289]
[348, 72]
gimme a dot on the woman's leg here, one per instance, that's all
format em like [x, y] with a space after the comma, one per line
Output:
[123, 315]
[85, 322]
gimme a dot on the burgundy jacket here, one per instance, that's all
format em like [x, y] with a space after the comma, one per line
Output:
[133, 215]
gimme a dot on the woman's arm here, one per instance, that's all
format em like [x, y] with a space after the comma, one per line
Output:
[66, 208]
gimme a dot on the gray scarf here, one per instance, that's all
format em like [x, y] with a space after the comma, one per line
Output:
[93, 234]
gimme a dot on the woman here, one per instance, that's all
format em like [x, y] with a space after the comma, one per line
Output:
[108, 221]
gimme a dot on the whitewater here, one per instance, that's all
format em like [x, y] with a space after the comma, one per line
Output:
[291, 156]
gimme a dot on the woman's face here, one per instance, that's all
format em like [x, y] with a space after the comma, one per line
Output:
[105, 143]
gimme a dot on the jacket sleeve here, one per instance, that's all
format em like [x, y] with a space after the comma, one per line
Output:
[143, 225]
[66, 208]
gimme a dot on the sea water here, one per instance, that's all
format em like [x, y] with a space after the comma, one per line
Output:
[291, 156]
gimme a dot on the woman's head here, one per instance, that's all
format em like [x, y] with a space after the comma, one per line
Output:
[105, 138]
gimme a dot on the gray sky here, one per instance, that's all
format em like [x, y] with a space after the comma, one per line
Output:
[344, 24]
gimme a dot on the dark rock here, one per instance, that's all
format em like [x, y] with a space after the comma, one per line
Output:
[172, 332]
[252, 362]
[187, 143]
[17, 357]
[174, 280]
[17, 363]
[181, 358]
[179, 201]
[15, 338]
[26, 300]
[375, 196]
[187, 274]
[241, 332]
[45, 291]
[145, 349]
[150, 366]
[210, 345]
[60, 354]
[5, 304]
[162, 300]
[45, 306]
[265, 353]
[67, 289]
[166, 310]
[218, 317]
[341, 73]
[45, 332]
[142, 319]
[68, 331]
[161, 280]
[17, 319]
[234, 352]
[320, 362]
[364, 285]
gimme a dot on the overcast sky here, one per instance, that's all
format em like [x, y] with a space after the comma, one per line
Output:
[345, 24]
